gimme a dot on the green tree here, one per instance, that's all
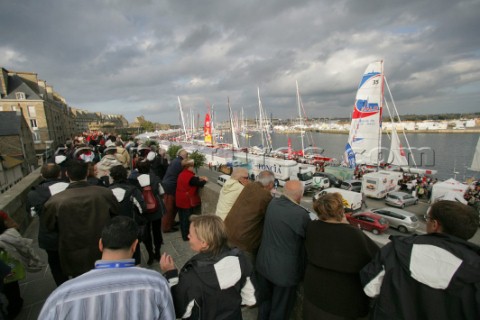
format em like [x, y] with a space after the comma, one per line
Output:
[172, 150]
[147, 126]
[198, 157]
[149, 143]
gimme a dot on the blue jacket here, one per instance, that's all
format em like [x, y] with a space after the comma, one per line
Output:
[169, 181]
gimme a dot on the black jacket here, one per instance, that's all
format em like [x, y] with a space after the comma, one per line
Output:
[212, 287]
[433, 276]
[130, 200]
[36, 199]
[336, 252]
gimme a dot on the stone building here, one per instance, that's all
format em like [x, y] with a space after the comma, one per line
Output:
[49, 118]
[96, 121]
[16, 143]
[45, 111]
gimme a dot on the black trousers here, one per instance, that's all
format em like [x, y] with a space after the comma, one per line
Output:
[153, 244]
[275, 302]
[55, 267]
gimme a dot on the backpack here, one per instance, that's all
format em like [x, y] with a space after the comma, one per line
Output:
[151, 202]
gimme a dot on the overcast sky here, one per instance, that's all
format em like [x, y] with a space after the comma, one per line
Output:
[135, 57]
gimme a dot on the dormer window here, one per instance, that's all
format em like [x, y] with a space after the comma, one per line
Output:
[20, 95]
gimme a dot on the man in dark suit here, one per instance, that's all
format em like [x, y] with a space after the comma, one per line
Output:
[36, 199]
[79, 214]
[281, 258]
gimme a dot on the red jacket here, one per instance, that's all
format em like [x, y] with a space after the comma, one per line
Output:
[186, 195]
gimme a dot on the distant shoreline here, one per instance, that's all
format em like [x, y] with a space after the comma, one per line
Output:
[475, 130]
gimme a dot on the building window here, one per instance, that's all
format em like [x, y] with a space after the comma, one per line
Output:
[32, 113]
[20, 95]
[36, 136]
[33, 123]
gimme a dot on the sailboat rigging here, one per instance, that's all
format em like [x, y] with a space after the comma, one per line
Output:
[264, 126]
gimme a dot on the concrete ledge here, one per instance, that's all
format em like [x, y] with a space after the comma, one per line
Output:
[13, 201]
[209, 195]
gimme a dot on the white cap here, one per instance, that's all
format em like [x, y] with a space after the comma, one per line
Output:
[151, 156]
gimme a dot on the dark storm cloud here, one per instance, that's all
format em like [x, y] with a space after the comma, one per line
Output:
[137, 57]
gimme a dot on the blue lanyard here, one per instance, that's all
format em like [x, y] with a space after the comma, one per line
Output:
[114, 264]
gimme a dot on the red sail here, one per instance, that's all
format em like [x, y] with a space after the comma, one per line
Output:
[207, 129]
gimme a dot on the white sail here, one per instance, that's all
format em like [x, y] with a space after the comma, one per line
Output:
[476, 158]
[397, 155]
[235, 144]
[364, 140]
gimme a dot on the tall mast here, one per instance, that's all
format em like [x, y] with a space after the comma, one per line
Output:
[234, 135]
[299, 104]
[382, 79]
[182, 117]
[399, 120]
[260, 117]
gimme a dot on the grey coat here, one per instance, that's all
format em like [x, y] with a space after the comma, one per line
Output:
[281, 257]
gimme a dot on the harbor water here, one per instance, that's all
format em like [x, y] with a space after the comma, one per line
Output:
[450, 154]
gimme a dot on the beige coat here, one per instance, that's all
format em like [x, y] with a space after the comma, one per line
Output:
[228, 195]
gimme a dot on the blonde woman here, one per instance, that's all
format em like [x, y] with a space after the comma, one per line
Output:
[214, 283]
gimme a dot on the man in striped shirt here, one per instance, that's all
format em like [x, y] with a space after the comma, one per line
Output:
[115, 289]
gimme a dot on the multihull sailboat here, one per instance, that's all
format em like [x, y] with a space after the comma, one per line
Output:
[364, 145]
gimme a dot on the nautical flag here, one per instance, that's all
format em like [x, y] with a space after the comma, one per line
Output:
[350, 156]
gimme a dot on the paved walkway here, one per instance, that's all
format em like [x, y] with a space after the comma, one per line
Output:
[36, 287]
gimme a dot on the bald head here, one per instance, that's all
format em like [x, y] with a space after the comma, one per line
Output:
[239, 172]
[294, 190]
[266, 178]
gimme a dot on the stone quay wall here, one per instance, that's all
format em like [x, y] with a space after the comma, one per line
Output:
[14, 200]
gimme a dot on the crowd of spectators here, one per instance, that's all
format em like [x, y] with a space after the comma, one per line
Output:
[101, 197]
